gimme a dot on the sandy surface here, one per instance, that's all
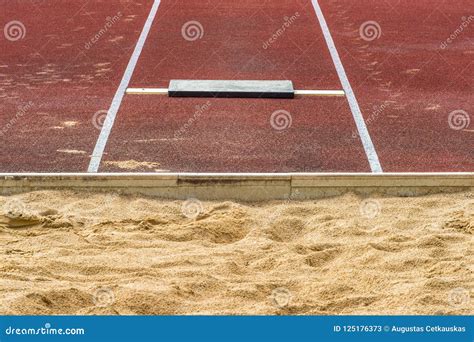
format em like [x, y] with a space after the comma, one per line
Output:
[85, 253]
[133, 165]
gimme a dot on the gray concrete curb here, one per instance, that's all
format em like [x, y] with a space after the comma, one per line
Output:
[242, 186]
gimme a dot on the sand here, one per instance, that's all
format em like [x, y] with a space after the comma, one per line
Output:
[66, 252]
[133, 165]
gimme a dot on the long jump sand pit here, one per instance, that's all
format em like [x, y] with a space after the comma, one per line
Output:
[65, 252]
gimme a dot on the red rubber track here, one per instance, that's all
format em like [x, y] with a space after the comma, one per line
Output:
[232, 44]
[235, 135]
[65, 82]
[406, 84]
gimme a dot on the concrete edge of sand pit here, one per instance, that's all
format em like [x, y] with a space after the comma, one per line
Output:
[241, 186]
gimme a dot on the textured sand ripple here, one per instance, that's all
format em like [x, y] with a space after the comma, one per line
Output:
[102, 253]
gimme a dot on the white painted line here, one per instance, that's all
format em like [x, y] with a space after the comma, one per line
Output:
[164, 91]
[385, 175]
[148, 91]
[320, 92]
[117, 100]
[355, 109]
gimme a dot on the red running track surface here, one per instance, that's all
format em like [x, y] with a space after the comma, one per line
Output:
[236, 135]
[51, 85]
[407, 84]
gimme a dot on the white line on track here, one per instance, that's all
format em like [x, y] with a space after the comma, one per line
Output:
[164, 91]
[309, 92]
[353, 104]
[117, 100]
[152, 91]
